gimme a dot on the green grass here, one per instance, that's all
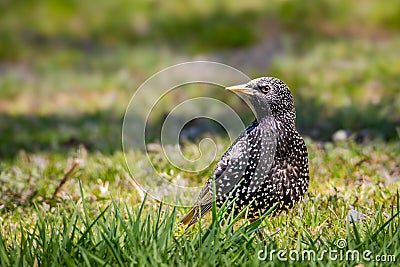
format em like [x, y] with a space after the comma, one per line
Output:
[103, 220]
[119, 235]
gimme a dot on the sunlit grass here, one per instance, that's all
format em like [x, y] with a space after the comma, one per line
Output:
[100, 220]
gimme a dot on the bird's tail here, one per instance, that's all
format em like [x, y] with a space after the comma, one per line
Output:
[193, 214]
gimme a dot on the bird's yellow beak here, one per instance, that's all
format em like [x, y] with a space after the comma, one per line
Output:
[241, 88]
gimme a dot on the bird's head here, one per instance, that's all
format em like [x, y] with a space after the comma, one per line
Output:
[269, 96]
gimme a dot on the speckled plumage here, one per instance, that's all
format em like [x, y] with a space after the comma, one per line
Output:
[267, 164]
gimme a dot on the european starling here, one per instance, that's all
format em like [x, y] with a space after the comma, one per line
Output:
[267, 164]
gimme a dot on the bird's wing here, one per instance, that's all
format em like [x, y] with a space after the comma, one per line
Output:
[227, 173]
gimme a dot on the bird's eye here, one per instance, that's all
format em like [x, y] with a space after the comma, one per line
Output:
[265, 89]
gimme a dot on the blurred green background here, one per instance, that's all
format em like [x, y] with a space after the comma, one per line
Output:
[69, 68]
